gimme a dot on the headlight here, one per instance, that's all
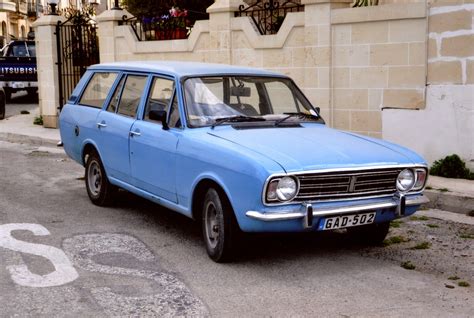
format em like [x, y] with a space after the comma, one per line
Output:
[405, 180]
[286, 189]
[420, 179]
[283, 189]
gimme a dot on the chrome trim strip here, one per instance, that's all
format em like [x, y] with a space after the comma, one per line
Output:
[318, 212]
[279, 175]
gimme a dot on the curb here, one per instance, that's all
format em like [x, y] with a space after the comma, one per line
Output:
[24, 139]
[450, 201]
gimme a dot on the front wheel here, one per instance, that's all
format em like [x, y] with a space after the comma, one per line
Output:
[101, 192]
[219, 227]
[371, 234]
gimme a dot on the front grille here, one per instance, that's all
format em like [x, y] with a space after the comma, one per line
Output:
[347, 184]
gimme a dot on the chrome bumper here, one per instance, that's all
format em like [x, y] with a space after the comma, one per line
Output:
[308, 210]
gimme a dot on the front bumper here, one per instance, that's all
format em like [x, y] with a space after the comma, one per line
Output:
[308, 211]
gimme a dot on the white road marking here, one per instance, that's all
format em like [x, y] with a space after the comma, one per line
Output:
[170, 297]
[64, 271]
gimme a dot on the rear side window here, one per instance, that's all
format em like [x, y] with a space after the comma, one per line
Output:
[97, 89]
[131, 95]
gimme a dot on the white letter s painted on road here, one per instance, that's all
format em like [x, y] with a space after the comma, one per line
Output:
[64, 271]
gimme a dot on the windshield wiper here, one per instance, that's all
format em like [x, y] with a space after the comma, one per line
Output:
[298, 114]
[235, 119]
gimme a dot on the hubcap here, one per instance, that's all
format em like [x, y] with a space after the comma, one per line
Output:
[211, 223]
[94, 178]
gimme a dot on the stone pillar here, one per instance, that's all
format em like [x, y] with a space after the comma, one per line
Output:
[318, 43]
[107, 23]
[220, 16]
[46, 60]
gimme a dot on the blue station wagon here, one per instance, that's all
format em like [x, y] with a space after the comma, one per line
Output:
[238, 149]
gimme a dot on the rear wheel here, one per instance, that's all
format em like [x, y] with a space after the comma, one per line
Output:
[371, 234]
[101, 192]
[219, 227]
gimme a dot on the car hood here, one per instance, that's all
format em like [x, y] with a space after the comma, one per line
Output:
[315, 146]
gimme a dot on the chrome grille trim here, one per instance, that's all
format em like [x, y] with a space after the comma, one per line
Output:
[328, 186]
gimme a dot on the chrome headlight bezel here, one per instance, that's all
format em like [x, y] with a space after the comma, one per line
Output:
[403, 176]
[421, 178]
[275, 191]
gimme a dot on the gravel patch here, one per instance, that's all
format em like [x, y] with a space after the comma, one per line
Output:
[439, 247]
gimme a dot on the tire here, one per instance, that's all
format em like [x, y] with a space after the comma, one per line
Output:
[8, 95]
[2, 105]
[101, 192]
[219, 227]
[372, 234]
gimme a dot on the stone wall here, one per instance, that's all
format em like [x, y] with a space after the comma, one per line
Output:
[446, 125]
[379, 62]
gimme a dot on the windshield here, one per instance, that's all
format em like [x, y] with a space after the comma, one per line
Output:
[209, 99]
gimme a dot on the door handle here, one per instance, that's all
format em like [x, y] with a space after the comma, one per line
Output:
[101, 125]
[135, 133]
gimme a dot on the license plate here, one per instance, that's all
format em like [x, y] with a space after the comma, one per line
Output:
[339, 222]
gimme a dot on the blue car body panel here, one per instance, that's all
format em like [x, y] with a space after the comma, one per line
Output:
[167, 166]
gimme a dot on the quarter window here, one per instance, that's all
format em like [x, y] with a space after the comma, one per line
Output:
[97, 89]
[160, 95]
[131, 95]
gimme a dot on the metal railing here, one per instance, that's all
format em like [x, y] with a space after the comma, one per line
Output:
[268, 16]
[156, 29]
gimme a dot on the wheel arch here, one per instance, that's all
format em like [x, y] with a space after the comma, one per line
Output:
[198, 196]
[87, 148]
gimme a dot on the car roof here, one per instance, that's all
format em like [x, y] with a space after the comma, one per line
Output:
[182, 69]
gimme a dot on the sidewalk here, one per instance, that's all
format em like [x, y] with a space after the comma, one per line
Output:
[455, 195]
[20, 129]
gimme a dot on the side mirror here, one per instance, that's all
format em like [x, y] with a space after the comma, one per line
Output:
[159, 115]
[318, 109]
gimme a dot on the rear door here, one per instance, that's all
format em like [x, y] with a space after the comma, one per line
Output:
[115, 122]
[78, 118]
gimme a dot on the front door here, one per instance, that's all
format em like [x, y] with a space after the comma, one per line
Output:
[152, 148]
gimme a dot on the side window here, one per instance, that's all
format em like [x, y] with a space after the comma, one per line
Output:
[174, 120]
[97, 89]
[131, 94]
[160, 95]
[114, 101]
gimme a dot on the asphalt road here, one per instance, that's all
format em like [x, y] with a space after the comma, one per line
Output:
[62, 256]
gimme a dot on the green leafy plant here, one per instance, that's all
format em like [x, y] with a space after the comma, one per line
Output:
[419, 218]
[463, 284]
[422, 246]
[395, 240]
[451, 167]
[432, 226]
[396, 223]
[38, 120]
[454, 277]
[408, 265]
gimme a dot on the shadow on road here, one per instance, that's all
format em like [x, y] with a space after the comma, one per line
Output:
[261, 246]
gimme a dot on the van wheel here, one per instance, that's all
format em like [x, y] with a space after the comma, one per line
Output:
[101, 192]
[371, 234]
[2, 105]
[8, 95]
[219, 227]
